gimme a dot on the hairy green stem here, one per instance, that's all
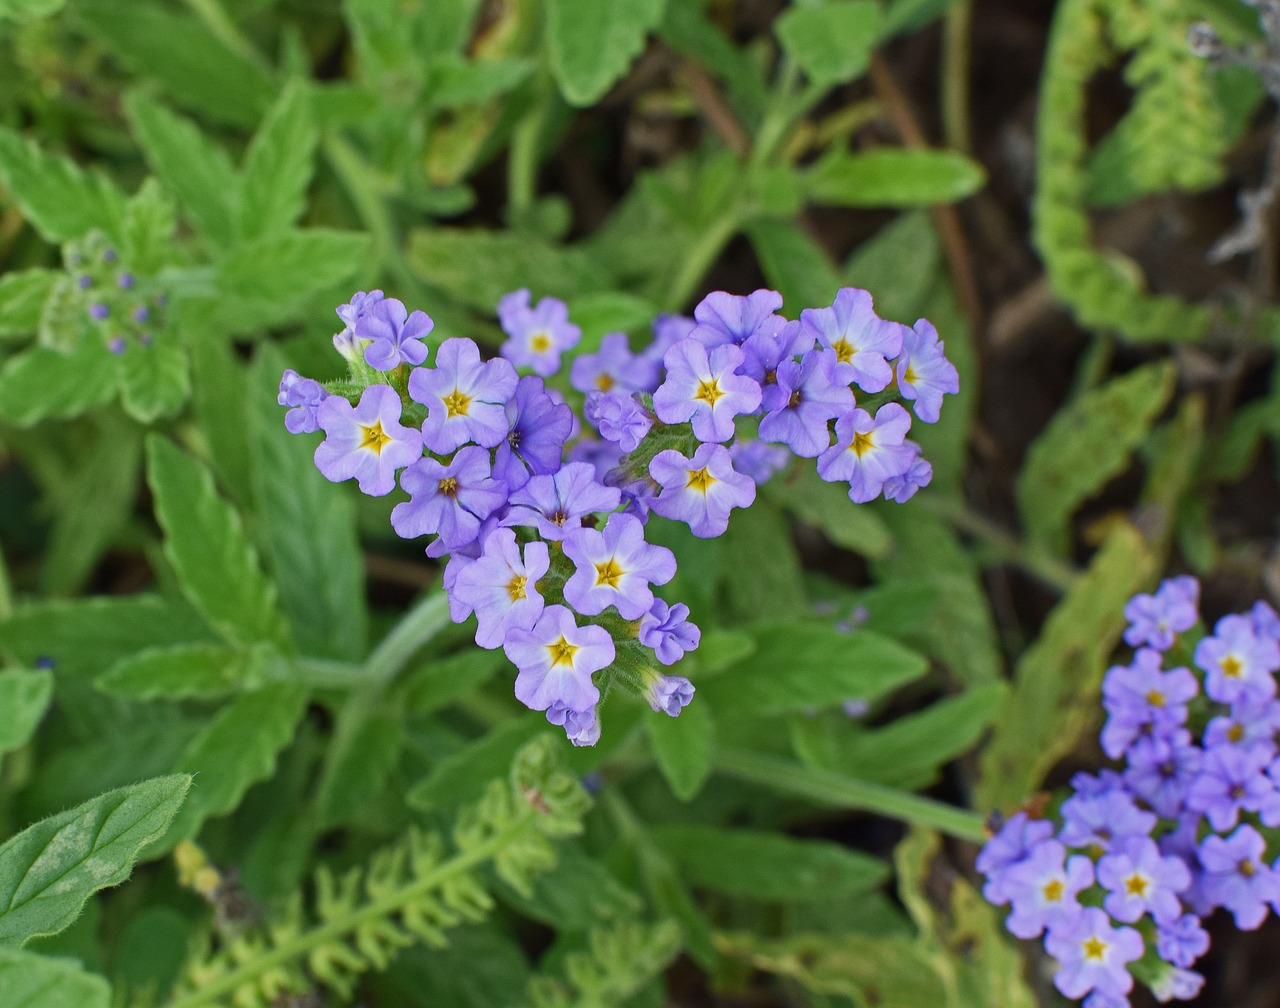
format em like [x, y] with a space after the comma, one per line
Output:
[418, 626]
[956, 41]
[700, 259]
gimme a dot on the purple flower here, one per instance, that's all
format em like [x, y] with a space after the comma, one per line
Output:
[1161, 769]
[1156, 620]
[705, 388]
[759, 460]
[1092, 955]
[1251, 721]
[539, 427]
[811, 397]
[365, 441]
[581, 727]
[466, 400]
[556, 658]
[1266, 621]
[304, 395]
[556, 503]
[1101, 818]
[1043, 887]
[860, 339]
[1233, 779]
[923, 371]
[1236, 877]
[868, 452]
[618, 418]
[537, 335]
[449, 501]
[141, 314]
[98, 311]
[1142, 697]
[614, 368]
[501, 587]
[669, 694]
[667, 630]
[1236, 661]
[730, 319]
[352, 314]
[125, 281]
[395, 337]
[615, 568]
[1139, 880]
[117, 345]
[765, 352]
[1182, 941]
[667, 331]
[901, 487]
[1015, 840]
[1105, 999]
[1177, 985]
[700, 491]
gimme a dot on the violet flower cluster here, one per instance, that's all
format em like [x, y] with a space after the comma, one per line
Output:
[1119, 880]
[122, 307]
[535, 486]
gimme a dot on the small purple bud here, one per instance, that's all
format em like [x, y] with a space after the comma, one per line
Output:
[141, 314]
[98, 311]
[125, 280]
[145, 340]
[84, 281]
[116, 345]
[161, 300]
[109, 255]
[45, 661]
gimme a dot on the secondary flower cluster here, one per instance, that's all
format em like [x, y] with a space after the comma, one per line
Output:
[122, 307]
[542, 518]
[1119, 880]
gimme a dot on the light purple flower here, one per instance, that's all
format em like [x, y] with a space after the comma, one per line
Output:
[1236, 661]
[861, 340]
[1141, 697]
[901, 487]
[753, 457]
[1093, 956]
[868, 451]
[536, 335]
[810, 397]
[667, 630]
[1251, 721]
[449, 501]
[539, 427]
[1156, 620]
[501, 587]
[1236, 877]
[764, 352]
[667, 330]
[395, 336]
[1101, 818]
[669, 694]
[466, 399]
[1043, 889]
[556, 503]
[703, 386]
[304, 395]
[1139, 880]
[700, 491]
[731, 319]
[360, 305]
[1161, 769]
[581, 727]
[1009, 846]
[1234, 779]
[1182, 941]
[923, 371]
[618, 418]
[614, 368]
[367, 441]
[556, 658]
[615, 568]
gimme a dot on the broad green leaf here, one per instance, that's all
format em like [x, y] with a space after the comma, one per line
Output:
[235, 749]
[154, 380]
[44, 384]
[59, 200]
[278, 165]
[152, 948]
[462, 777]
[890, 177]
[192, 64]
[1087, 443]
[361, 756]
[768, 866]
[221, 407]
[22, 298]
[196, 169]
[899, 265]
[206, 543]
[592, 42]
[454, 80]
[831, 42]
[24, 697]
[307, 530]
[48, 870]
[610, 311]
[478, 267]
[827, 506]
[146, 238]
[65, 325]
[576, 894]
[806, 665]
[1055, 691]
[794, 265]
[750, 587]
[440, 681]
[28, 980]
[448, 976]
[184, 671]
[686, 29]
[85, 637]
[682, 747]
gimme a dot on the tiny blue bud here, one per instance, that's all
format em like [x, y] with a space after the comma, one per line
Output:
[125, 280]
[98, 311]
[141, 313]
[116, 345]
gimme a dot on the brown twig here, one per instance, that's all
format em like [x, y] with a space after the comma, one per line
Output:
[712, 105]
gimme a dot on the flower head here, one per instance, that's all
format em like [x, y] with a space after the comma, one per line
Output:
[304, 396]
[700, 491]
[466, 399]
[449, 501]
[536, 335]
[395, 336]
[861, 341]
[501, 587]
[556, 658]
[367, 441]
[667, 630]
[868, 451]
[704, 386]
[615, 568]
[924, 374]
[1093, 956]
[731, 319]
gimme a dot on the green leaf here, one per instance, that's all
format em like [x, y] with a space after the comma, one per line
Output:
[206, 543]
[154, 380]
[147, 231]
[194, 168]
[1087, 443]
[776, 588]
[808, 665]
[184, 671]
[24, 697]
[454, 80]
[442, 680]
[592, 42]
[28, 980]
[278, 165]
[794, 264]
[890, 177]
[22, 298]
[307, 529]
[55, 196]
[361, 756]
[831, 42]
[606, 312]
[192, 64]
[462, 777]
[768, 866]
[686, 29]
[576, 894]
[682, 747]
[45, 384]
[48, 870]
[85, 637]
[221, 407]
[827, 506]
[236, 748]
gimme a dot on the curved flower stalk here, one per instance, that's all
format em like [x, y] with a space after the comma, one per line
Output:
[540, 507]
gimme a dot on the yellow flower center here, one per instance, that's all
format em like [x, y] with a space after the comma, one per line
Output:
[709, 392]
[1136, 885]
[457, 403]
[1236, 732]
[374, 437]
[844, 350]
[862, 443]
[700, 480]
[910, 377]
[1155, 698]
[515, 588]
[604, 381]
[1094, 948]
[1247, 868]
[449, 486]
[608, 573]
[540, 341]
[1232, 667]
[562, 652]
[1053, 890]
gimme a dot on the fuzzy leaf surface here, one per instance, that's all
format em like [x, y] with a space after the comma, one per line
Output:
[593, 42]
[28, 980]
[24, 697]
[60, 200]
